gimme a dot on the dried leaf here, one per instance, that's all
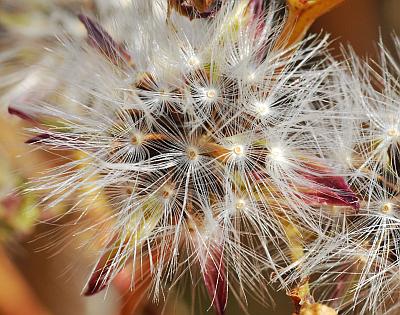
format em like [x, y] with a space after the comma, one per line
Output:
[19, 113]
[55, 140]
[214, 275]
[109, 265]
[102, 274]
[39, 139]
[330, 189]
[104, 43]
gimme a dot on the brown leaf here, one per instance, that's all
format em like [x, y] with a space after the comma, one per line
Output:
[322, 187]
[109, 267]
[330, 189]
[214, 276]
[56, 141]
[106, 267]
[19, 113]
[39, 139]
[101, 275]
[104, 43]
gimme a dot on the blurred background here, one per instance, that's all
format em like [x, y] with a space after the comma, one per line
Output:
[360, 23]
[38, 279]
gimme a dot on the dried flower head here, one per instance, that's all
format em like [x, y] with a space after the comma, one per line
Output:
[202, 133]
[356, 260]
